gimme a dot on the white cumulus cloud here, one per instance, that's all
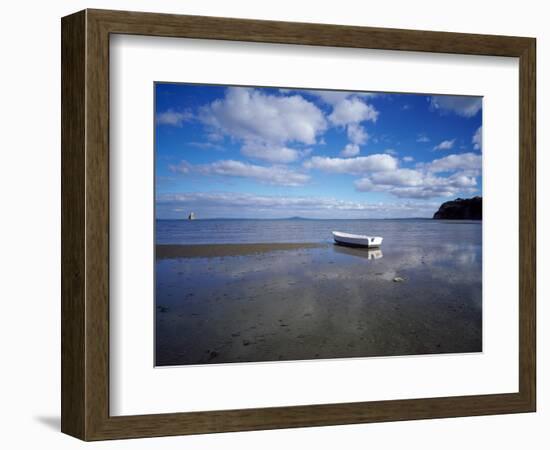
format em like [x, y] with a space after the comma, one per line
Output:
[399, 177]
[463, 161]
[265, 124]
[335, 97]
[408, 183]
[173, 118]
[445, 145]
[357, 134]
[270, 152]
[276, 175]
[350, 150]
[352, 111]
[358, 165]
[348, 110]
[460, 105]
[476, 139]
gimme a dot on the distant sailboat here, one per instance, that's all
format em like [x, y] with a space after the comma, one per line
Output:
[191, 216]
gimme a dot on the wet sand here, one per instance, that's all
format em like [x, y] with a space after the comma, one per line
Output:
[217, 250]
[267, 302]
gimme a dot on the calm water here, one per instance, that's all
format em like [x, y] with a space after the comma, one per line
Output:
[402, 233]
[224, 231]
[317, 303]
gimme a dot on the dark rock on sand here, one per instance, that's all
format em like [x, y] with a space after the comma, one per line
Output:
[460, 209]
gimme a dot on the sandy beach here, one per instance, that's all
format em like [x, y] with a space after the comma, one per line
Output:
[168, 251]
[229, 303]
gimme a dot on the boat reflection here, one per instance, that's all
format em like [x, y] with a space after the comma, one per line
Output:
[367, 253]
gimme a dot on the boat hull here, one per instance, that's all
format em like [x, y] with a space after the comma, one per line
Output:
[351, 240]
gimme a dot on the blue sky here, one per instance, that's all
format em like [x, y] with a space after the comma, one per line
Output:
[224, 151]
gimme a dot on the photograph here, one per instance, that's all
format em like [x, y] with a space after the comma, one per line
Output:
[305, 224]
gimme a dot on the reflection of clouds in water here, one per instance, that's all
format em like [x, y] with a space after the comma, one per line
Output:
[330, 301]
[461, 260]
[449, 263]
[466, 258]
[447, 254]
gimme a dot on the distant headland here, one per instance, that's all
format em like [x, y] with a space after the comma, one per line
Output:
[460, 209]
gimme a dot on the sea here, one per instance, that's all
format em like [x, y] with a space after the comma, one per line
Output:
[420, 293]
[396, 232]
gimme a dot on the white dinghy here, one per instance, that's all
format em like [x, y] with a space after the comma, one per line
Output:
[357, 240]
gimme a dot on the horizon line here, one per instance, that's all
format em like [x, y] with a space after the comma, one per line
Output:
[296, 218]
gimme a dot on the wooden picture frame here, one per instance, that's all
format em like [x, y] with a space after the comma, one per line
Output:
[85, 224]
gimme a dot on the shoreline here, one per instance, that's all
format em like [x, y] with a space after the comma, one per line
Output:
[170, 251]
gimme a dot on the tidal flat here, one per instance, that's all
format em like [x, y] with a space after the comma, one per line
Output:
[230, 303]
